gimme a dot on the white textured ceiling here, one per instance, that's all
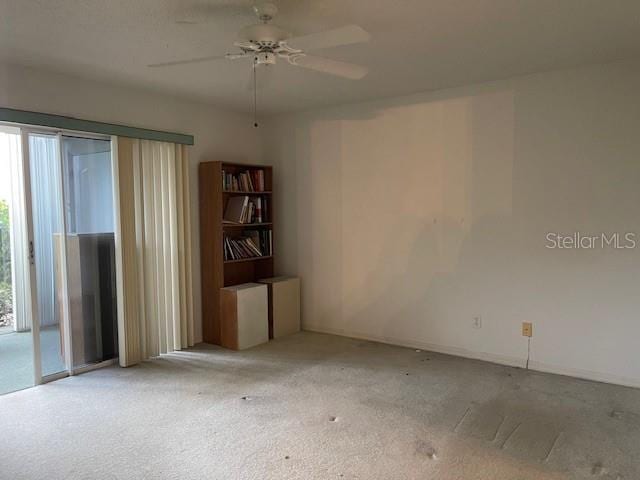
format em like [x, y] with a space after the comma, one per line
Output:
[417, 45]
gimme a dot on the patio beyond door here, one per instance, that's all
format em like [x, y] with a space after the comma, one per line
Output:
[16, 342]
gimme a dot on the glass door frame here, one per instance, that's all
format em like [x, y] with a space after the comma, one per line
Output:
[25, 131]
[39, 378]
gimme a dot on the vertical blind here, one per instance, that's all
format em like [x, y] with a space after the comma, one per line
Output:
[46, 207]
[154, 228]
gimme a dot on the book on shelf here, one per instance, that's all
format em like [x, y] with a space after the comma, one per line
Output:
[245, 209]
[252, 244]
[247, 181]
[235, 211]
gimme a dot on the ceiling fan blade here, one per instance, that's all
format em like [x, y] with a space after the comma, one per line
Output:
[264, 77]
[333, 67]
[235, 56]
[346, 35]
[211, 58]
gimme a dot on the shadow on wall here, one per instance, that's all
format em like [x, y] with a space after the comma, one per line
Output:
[412, 216]
[425, 200]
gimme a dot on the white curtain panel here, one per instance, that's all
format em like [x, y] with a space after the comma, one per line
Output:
[155, 234]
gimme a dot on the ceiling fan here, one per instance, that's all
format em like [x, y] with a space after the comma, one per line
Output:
[265, 42]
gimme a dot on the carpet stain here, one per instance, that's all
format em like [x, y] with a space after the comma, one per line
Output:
[425, 449]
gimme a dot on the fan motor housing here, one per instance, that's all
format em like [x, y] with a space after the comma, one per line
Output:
[265, 58]
[263, 33]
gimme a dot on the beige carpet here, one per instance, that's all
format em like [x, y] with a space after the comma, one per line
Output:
[320, 407]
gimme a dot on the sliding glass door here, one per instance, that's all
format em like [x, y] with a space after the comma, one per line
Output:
[57, 256]
[48, 251]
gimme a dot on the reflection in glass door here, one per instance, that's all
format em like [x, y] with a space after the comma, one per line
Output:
[88, 207]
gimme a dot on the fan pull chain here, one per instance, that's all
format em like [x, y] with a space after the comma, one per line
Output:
[255, 94]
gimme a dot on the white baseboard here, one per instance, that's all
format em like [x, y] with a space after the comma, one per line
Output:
[487, 357]
[585, 374]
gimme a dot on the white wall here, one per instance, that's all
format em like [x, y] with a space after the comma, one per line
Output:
[219, 134]
[407, 217]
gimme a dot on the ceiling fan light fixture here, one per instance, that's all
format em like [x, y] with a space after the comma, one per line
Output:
[265, 58]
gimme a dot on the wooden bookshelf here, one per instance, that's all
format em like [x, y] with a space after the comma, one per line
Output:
[216, 272]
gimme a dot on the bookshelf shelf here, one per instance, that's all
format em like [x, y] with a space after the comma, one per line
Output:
[250, 259]
[246, 225]
[216, 271]
[243, 192]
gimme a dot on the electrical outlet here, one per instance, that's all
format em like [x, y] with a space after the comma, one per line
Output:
[477, 321]
[527, 329]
